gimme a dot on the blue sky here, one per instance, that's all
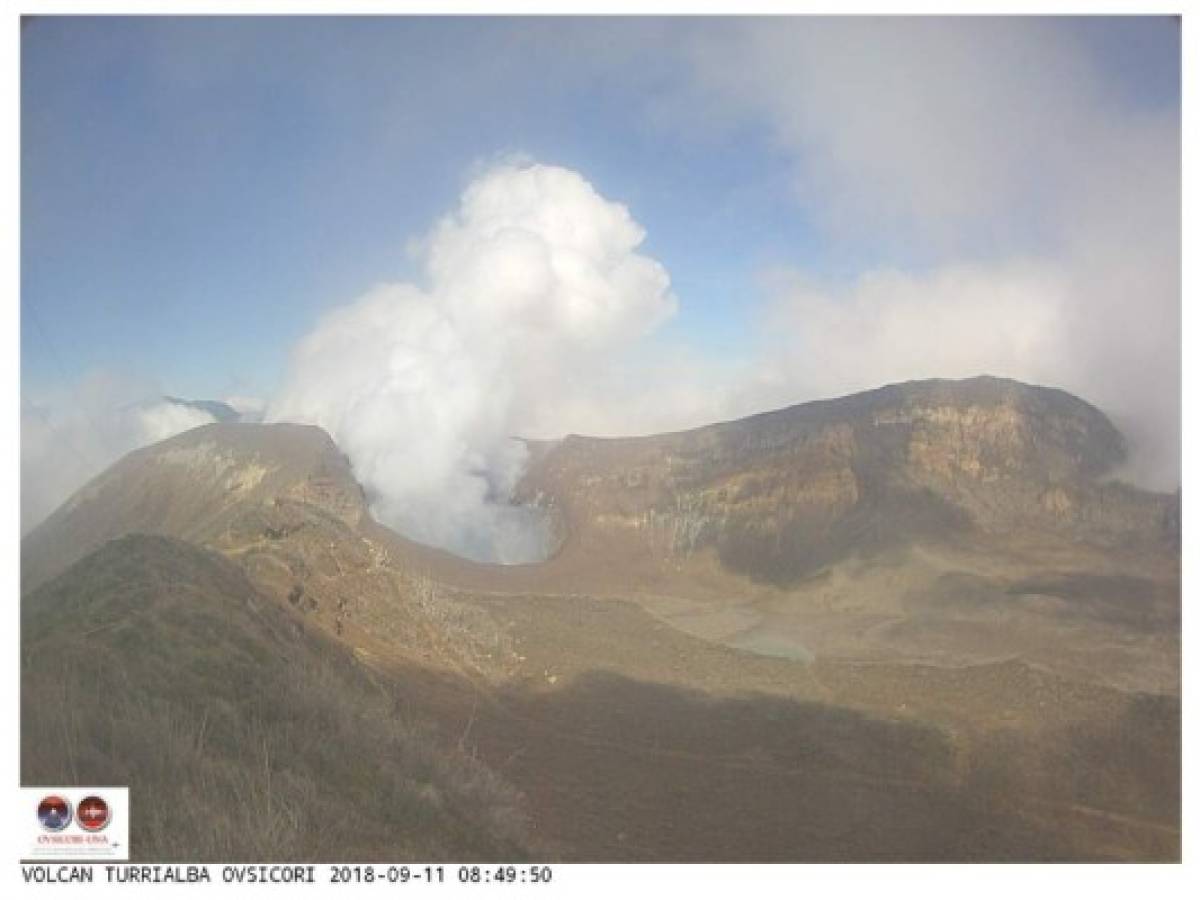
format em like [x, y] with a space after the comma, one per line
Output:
[840, 203]
[196, 192]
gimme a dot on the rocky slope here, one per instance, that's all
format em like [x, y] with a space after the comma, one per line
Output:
[198, 485]
[945, 521]
[779, 495]
[916, 623]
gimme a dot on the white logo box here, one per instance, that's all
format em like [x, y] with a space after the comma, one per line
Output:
[72, 842]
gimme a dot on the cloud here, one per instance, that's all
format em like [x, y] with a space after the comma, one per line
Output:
[937, 129]
[533, 284]
[1003, 203]
[1024, 195]
[889, 326]
[250, 409]
[988, 195]
[71, 435]
[161, 420]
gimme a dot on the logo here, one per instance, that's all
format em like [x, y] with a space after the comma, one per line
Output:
[54, 813]
[93, 814]
[75, 823]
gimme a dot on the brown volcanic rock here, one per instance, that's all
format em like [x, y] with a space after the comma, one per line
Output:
[909, 624]
[775, 497]
[908, 522]
[194, 486]
[281, 501]
[781, 494]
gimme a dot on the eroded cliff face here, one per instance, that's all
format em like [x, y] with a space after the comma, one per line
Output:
[908, 522]
[778, 495]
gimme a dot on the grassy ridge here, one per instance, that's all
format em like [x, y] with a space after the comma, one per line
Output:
[154, 663]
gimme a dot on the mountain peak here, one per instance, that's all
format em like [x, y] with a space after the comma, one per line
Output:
[779, 494]
[194, 486]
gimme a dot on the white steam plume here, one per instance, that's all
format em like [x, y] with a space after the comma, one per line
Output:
[530, 283]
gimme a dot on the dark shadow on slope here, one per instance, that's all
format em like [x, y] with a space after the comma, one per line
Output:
[617, 769]
[783, 553]
[154, 663]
